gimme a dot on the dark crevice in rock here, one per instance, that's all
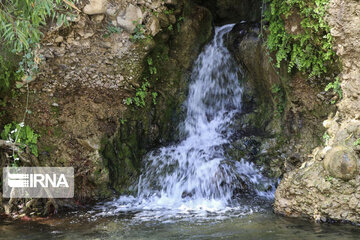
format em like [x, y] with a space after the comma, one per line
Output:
[233, 11]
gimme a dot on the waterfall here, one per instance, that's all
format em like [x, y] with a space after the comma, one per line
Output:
[196, 175]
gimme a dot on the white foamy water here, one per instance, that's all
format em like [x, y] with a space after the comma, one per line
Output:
[195, 177]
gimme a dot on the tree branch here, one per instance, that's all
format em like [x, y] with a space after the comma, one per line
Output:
[9, 145]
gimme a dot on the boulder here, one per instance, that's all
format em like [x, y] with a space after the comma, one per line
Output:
[153, 25]
[341, 162]
[164, 20]
[95, 7]
[129, 16]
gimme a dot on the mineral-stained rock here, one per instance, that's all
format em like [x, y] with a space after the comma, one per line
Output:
[341, 162]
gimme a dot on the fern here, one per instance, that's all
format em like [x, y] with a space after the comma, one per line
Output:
[309, 51]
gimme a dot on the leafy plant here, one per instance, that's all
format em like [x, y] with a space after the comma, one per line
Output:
[170, 27]
[168, 11]
[21, 22]
[139, 33]
[8, 75]
[156, 14]
[178, 23]
[110, 29]
[329, 178]
[357, 142]
[152, 68]
[21, 135]
[154, 96]
[336, 87]
[326, 138]
[140, 96]
[310, 50]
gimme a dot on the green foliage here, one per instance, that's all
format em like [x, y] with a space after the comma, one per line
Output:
[156, 14]
[310, 50]
[168, 11]
[154, 96]
[170, 27]
[279, 97]
[22, 135]
[326, 138]
[140, 96]
[21, 20]
[329, 178]
[152, 68]
[139, 33]
[178, 23]
[8, 75]
[357, 142]
[20, 27]
[111, 29]
[335, 86]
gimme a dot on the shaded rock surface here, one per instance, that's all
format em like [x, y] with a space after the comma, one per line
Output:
[279, 124]
[232, 11]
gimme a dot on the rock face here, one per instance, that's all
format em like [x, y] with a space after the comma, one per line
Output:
[232, 11]
[333, 192]
[155, 124]
[78, 98]
[311, 192]
[279, 122]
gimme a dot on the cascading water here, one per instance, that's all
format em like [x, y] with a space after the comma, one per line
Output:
[196, 175]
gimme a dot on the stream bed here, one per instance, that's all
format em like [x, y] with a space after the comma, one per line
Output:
[261, 225]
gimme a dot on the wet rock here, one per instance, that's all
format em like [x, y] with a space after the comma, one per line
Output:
[172, 19]
[341, 162]
[146, 128]
[164, 20]
[130, 15]
[95, 7]
[230, 11]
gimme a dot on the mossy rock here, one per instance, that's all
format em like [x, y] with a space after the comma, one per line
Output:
[152, 125]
